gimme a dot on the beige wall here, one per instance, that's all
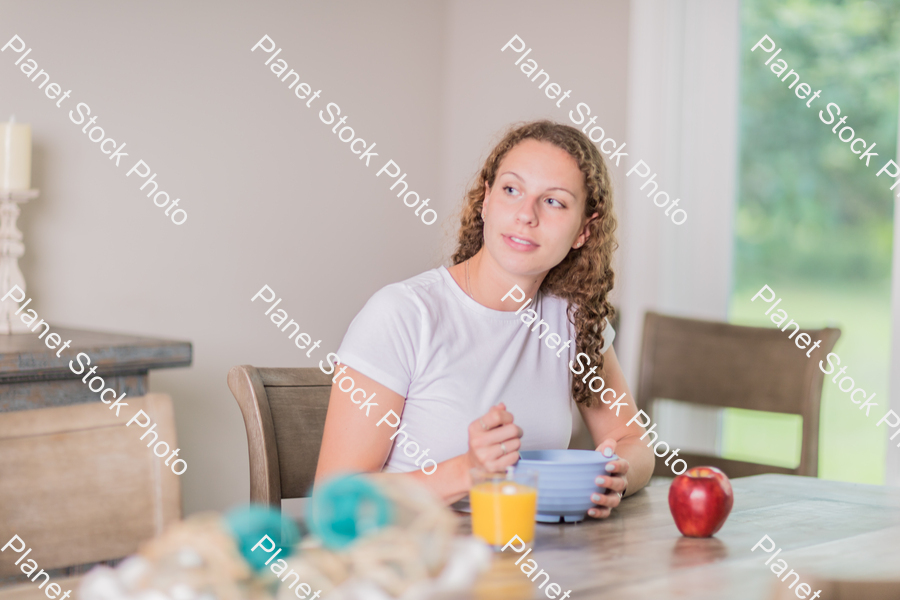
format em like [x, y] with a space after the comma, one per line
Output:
[272, 196]
[582, 44]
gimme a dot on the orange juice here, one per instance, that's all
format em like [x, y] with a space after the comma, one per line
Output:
[501, 510]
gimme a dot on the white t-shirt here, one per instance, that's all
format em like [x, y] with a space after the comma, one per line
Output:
[452, 359]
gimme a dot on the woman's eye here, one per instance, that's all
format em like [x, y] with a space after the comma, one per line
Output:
[558, 203]
[507, 187]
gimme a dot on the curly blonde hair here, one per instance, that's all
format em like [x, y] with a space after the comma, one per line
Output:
[584, 277]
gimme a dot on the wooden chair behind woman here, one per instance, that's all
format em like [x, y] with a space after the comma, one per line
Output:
[722, 365]
[284, 415]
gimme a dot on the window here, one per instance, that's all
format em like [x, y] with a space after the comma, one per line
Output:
[813, 222]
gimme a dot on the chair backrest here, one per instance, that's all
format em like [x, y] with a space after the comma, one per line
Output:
[79, 487]
[284, 414]
[718, 364]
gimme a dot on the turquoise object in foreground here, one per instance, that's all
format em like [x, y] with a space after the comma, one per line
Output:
[346, 508]
[248, 525]
[565, 482]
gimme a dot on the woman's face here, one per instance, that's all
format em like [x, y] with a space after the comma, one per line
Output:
[534, 212]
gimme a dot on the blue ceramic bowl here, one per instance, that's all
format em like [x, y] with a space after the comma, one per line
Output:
[565, 482]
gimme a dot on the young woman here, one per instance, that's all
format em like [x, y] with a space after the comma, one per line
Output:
[472, 367]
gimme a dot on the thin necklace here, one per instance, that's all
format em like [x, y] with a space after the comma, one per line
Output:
[469, 287]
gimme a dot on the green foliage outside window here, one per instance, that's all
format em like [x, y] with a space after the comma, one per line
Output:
[809, 208]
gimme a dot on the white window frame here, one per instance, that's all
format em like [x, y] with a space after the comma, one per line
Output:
[683, 100]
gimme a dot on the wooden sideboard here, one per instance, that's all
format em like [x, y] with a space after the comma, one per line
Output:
[32, 376]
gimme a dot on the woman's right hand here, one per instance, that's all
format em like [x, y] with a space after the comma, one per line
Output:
[494, 441]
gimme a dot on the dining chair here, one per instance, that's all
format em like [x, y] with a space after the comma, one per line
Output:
[284, 415]
[722, 365]
[79, 487]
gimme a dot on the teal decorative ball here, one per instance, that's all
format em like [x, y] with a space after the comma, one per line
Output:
[346, 508]
[253, 523]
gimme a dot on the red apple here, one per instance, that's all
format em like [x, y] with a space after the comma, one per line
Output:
[700, 500]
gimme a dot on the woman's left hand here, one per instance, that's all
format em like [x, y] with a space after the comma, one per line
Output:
[615, 481]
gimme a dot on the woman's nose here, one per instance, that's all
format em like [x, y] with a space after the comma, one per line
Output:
[527, 212]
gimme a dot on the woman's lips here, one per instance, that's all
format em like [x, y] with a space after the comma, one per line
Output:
[522, 245]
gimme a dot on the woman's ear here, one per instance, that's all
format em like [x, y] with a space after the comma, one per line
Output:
[484, 203]
[585, 232]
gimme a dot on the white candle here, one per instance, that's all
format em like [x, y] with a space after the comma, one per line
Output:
[15, 155]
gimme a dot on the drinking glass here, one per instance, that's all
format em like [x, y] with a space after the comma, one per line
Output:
[503, 505]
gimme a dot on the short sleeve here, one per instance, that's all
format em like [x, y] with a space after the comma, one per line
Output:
[609, 334]
[382, 340]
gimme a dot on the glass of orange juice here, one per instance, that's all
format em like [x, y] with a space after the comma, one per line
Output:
[503, 505]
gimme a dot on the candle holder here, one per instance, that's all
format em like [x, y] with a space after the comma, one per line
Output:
[11, 249]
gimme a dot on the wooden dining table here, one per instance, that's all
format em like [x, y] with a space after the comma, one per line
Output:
[827, 530]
